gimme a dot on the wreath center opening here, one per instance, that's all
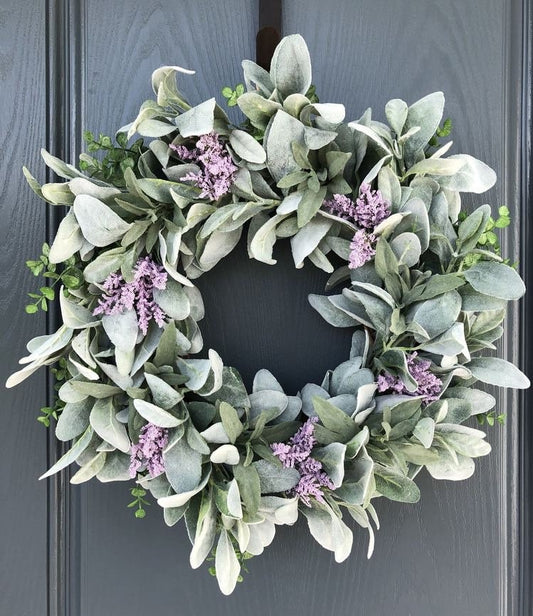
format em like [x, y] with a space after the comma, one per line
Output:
[258, 316]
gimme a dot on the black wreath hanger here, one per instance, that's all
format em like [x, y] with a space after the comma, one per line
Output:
[269, 34]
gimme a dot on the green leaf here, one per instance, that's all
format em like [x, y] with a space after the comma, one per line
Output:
[72, 454]
[283, 132]
[107, 262]
[274, 478]
[164, 395]
[394, 486]
[475, 176]
[334, 419]
[451, 342]
[90, 469]
[496, 371]
[183, 467]
[331, 313]
[407, 248]
[439, 284]
[396, 113]
[230, 421]
[156, 415]
[99, 224]
[68, 239]
[197, 121]
[436, 315]
[263, 241]
[232, 391]
[332, 458]
[424, 431]
[329, 530]
[249, 483]
[96, 390]
[472, 227]
[465, 441]
[227, 565]
[436, 166]
[426, 114]
[385, 260]
[247, 147]
[496, 280]
[197, 371]
[74, 419]
[173, 300]
[310, 204]
[225, 454]
[103, 420]
[290, 68]
[204, 537]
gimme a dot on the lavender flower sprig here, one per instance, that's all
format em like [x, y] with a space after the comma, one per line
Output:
[148, 451]
[138, 294]
[297, 454]
[429, 386]
[217, 169]
[367, 212]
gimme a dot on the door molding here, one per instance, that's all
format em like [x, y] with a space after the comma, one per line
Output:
[65, 39]
[523, 551]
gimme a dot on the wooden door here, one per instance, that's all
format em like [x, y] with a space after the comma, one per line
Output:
[68, 66]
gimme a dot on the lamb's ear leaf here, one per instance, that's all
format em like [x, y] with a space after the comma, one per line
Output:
[426, 113]
[227, 565]
[329, 530]
[291, 66]
[496, 371]
[72, 454]
[496, 280]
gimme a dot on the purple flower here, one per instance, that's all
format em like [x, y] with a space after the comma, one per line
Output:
[370, 207]
[148, 452]
[138, 294]
[428, 385]
[341, 206]
[362, 248]
[312, 480]
[217, 169]
[297, 454]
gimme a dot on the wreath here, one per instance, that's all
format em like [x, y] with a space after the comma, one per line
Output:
[418, 280]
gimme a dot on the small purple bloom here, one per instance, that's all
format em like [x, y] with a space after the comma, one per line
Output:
[428, 385]
[148, 452]
[217, 169]
[362, 248]
[297, 454]
[389, 382]
[312, 480]
[370, 207]
[138, 294]
[341, 206]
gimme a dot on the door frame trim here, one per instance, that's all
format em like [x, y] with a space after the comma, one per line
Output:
[65, 39]
[522, 565]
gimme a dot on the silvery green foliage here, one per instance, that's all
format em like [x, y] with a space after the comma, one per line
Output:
[431, 287]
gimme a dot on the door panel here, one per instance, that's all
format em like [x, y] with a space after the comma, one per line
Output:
[448, 555]
[23, 513]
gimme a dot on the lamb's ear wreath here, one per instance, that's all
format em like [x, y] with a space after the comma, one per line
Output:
[420, 282]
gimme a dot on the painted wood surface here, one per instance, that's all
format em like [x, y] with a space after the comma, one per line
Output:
[445, 556]
[23, 441]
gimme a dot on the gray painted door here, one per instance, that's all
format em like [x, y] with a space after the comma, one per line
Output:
[79, 551]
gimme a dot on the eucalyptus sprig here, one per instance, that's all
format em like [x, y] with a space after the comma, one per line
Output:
[114, 160]
[232, 94]
[138, 501]
[70, 276]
